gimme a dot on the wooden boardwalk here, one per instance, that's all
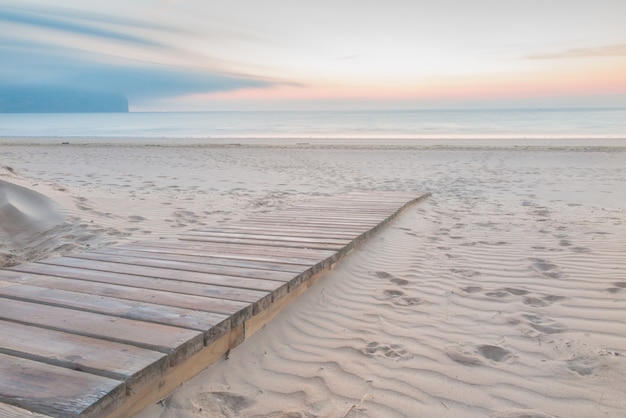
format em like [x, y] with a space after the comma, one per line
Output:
[108, 332]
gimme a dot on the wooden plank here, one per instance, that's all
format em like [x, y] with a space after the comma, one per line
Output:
[181, 255]
[222, 251]
[214, 302]
[208, 355]
[295, 228]
[297, 222]
[352, 206]
[54, 293]
[156, 283]
[163, 263]
[163, 273]
[267, 237]
[10, 411]
[178, 343]
[256, 322]
[160, 388]
[265, 230]
[280, 243]
[172, 287]
[123, 362]
[355, 227]
[57, 391]
[346, 218]
[359, 210]
[355, 196]
[299, 254]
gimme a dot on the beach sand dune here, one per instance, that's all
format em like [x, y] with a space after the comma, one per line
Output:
[28, 220]
[36, 224]
[501, 295]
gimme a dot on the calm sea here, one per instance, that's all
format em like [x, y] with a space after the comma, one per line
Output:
[518, 123]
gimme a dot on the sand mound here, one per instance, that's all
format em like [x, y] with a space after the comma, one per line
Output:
[25, 212]
[28, 222]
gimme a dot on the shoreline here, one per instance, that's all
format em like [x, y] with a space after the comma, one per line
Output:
[472, 142]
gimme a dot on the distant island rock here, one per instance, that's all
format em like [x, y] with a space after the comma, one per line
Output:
[58, 100]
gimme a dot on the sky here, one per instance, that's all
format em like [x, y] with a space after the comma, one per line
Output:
[177, 55]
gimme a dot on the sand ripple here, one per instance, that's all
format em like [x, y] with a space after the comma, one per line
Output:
[415, 324]
[502, 295]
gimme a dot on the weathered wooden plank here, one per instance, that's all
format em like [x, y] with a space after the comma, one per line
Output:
[178, 343]
[356, 211]
[279, 243]
[311, 254]
[170, 286]
[265, 230]
[356, 195]
[320, 216]
[163, 263]
[232, 252]
[10, 411]
[207, 299]
[55, 390]
[160, 388]
[349, 206]
[163, 273]
[359, 210]
[123, 362]
[236, 256]
[267, 237]
[297, 222]
[63, 293]
[182, 255]
[261, 257]
[292, 227]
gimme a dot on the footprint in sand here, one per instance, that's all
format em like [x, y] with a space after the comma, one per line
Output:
[409, 301]
[392, 293]
[586, 366]
[546, 269]
[398, 297]
[391, 278]
[619, 286]
[220, 403]
[471, 289]
[493, 352]
[392, 351]
[516, 292]
[469, 357]
[398, 281]
[463, 356]
[497, 294]
[539, 323]
[553, 298]
[542, 302]
[466, 272]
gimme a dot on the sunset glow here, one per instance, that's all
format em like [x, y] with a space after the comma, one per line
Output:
[281, 55]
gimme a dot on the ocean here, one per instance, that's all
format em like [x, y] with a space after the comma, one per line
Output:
[509, 123]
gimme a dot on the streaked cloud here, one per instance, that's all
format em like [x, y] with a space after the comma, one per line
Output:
[80, 62]
[47, 20]
[201, 55]
[55, 66]
[595, 52]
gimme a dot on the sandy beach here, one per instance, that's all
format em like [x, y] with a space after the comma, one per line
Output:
[501, 295]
